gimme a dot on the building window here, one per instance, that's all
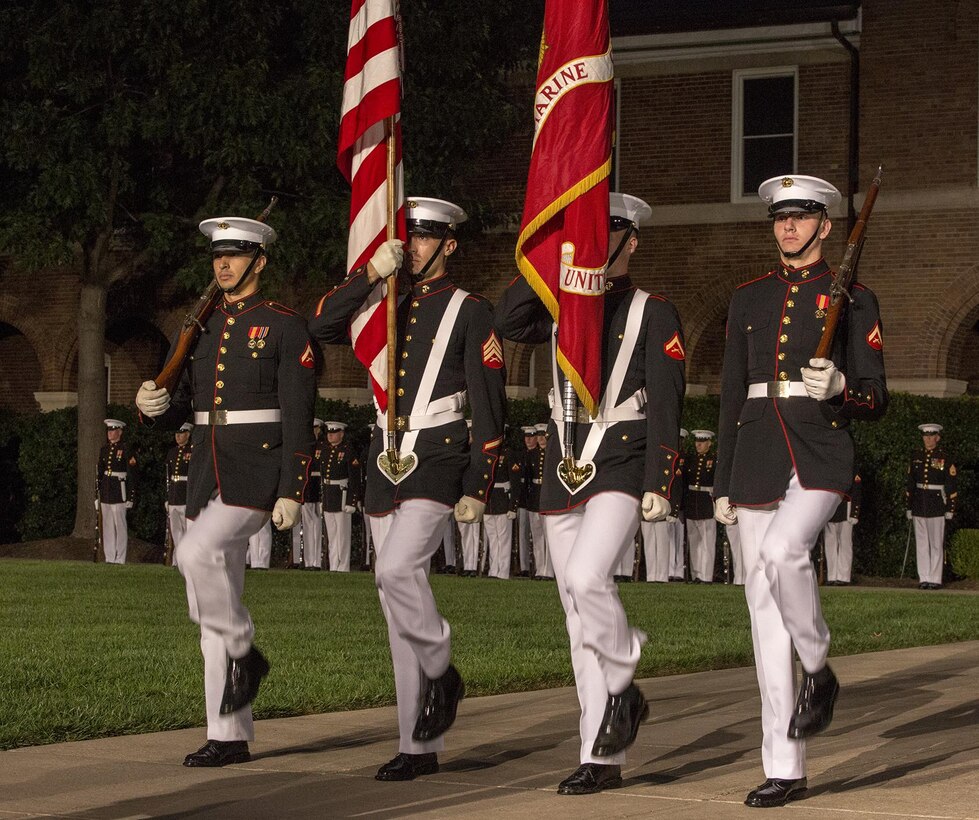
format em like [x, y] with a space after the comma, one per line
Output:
[764, 129]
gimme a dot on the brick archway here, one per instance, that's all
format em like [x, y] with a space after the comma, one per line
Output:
[950, 323]
[20, 370]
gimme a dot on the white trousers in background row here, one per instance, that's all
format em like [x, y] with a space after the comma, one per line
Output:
[405, 541]
[115, 533]
[211, 557]
[499, 544]
[737, 558]
[586, 546]
[702, 536]
[177, 516]
[448, 539]
[929, 547]
[260, 546]
[783, 602]
[677, 562]
[312, 536]
[338, 540]
[470, 546]
[838, 543]
[523, 538]
[542, 555]
[657, 539]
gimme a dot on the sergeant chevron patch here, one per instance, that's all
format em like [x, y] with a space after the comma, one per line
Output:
[874, 338]
[493, 351]
[674, 348]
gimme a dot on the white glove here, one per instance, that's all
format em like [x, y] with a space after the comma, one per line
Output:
[285, 513]
[948, 516]
[347, 508]
[822, 379]
[654, 507]
[670, 519]
[907, 514]
[388, 258]
[129, 505]
[469, 510]
[152, 401]
[511, 514]
[724, 512]
[854, 521]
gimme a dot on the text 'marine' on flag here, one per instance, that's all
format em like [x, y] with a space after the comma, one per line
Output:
[562, 249]
[371, 94]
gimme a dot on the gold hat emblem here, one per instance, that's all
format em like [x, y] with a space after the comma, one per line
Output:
[223, 226]
[786, 182]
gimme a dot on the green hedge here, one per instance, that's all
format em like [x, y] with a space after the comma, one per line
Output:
[965, 553]
[40, 497]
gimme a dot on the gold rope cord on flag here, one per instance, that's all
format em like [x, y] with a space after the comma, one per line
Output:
[526, 267]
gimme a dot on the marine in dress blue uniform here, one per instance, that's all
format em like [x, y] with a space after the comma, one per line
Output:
[117, 482]
[518, 471]
[340, 470]
[698, 508]
[633, 444]
[307, 538]
[786, 460]
[249, 387]
[448, 355]
[177, 470]
[931, 498]
[501, 512]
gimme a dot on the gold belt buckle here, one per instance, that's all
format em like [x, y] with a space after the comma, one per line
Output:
[779, 390]
[218, 418]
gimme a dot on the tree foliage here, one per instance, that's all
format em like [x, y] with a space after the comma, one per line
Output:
[125, 123]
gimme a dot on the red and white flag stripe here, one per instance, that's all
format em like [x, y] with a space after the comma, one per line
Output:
[371, 94]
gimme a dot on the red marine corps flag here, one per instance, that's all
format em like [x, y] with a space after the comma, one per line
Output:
[562, 249]
[371, 98]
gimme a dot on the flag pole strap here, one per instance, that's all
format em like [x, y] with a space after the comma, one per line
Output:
[392, 294]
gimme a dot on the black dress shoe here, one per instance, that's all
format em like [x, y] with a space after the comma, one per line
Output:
[242, 680]
[408, 767]
[439, 706]
[216, 753]
[620, 724]
[590, 778]
[774, 792]
[814, 706]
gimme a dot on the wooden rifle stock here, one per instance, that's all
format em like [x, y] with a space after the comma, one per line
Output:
[193, 326]
[840, 289]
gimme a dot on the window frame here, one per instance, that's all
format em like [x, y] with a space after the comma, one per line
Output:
[738, 76]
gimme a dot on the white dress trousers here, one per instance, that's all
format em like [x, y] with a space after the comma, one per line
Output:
[448, 538]
[499, 543]
[929, 547]
[211, 557]
[542, 557]
[838, 541]
[702, 534]
[312, 536]
[115, 533]
[177, 516]
[677, 561]
[260, 546]
[587, 545]
[657, 539]
[783, 602]
[523, 538]
[470, 546]
[737, 558]
[406, 540]
[338, 540]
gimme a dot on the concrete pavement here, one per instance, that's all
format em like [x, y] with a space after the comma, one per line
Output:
[904, 744]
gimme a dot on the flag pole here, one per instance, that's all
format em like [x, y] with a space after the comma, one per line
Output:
[392, 295]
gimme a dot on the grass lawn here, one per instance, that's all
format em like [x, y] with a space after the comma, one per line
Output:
[91, 650]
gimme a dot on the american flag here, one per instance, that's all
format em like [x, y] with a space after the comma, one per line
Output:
[371, 95]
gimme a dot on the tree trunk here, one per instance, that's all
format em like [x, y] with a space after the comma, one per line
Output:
[91, 402]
